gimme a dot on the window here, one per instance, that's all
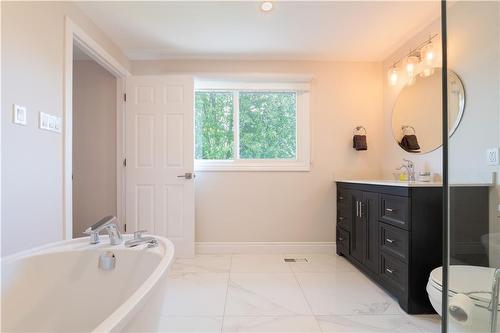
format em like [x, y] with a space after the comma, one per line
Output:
[261, 127]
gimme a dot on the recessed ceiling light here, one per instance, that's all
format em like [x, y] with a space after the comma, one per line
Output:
[266, 6]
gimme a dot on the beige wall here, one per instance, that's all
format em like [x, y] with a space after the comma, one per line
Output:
[291, 206]
[393, 154]
[94, 144]
[32, 160]
[474, 53]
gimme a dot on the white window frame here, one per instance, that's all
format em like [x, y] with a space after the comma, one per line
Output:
[302, 160]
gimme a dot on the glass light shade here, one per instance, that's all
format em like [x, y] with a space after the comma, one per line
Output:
[428, 54]
[392, 76]
[411, 67]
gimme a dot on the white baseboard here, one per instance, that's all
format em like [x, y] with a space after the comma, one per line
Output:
[265, 247]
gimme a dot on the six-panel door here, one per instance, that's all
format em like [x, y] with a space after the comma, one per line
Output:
[159, 152]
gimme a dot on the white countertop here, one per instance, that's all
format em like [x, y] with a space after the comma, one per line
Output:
[387, 182]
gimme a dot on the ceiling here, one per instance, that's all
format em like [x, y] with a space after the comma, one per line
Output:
[295, 30]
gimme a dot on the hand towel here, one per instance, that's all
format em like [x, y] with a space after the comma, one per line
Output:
[410, 143]
[359, 142]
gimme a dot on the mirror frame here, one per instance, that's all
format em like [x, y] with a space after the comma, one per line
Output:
[460, 114]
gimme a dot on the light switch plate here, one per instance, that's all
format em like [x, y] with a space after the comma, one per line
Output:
[492, 156]
[20, 114]
[50, 122]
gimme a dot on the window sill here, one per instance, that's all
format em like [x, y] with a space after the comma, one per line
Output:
[275, 166]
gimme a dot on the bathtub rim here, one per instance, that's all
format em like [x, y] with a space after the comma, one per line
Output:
[120, 316]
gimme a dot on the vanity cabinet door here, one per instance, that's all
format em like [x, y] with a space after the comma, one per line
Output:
[358, 228]
[370, 214]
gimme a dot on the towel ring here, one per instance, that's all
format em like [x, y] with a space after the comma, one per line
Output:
[405, 128]
[357, 129]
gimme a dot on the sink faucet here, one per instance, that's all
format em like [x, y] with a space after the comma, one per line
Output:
[410, 169]
[115, 237]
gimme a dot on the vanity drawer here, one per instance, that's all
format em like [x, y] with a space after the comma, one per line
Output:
[394, 272]
[394, 241]
[395, 210]
[343, 240]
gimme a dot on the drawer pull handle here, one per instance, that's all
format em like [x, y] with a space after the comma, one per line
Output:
[390, 271]
[341, 218]
[390, 210]
[388, 240]
[341, 239]
[341, 198]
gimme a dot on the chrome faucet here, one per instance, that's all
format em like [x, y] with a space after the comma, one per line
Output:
[108, 223]
[140, 239]
[410, 169]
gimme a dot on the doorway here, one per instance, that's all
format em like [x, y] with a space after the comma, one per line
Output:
[95, 121]
[94, 142]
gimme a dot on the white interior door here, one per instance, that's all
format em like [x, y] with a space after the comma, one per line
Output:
[159, 152]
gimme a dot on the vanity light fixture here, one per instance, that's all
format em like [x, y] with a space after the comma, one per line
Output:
[266, 6]
[420, 60]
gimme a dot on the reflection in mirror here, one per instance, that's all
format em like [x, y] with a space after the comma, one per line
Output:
[417, 116]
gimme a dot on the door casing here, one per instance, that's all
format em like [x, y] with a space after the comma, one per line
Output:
[74, 34]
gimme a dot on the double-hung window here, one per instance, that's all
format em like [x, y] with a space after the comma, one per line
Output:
[251, 126]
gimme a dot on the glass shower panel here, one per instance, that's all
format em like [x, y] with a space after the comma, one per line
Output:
[473, 47]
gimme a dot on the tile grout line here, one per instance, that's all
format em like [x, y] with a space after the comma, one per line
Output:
[227, 291]
[305, 297]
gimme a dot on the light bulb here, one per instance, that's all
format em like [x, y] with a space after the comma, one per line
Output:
[428, 54]
[393, 76]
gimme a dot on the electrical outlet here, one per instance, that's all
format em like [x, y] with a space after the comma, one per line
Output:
[492, 156]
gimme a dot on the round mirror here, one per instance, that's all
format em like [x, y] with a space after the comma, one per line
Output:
[417, 118]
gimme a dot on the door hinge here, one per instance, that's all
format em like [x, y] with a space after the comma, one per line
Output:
[125, 162]
[124, 97]
[125, 227]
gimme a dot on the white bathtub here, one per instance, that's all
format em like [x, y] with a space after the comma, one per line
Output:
[59, 288]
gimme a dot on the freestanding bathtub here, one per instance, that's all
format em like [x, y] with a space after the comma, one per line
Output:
[60, 288]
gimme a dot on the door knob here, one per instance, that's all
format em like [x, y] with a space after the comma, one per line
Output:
[187, 175]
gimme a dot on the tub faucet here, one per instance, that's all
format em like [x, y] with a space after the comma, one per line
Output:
[410, 169]
[139, 239]
[108, 223]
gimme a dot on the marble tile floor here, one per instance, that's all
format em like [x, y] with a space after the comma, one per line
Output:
[262, 293]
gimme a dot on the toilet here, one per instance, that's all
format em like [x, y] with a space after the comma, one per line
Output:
[473, 285]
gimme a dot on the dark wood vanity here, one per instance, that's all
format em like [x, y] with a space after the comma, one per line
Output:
[392, 233]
